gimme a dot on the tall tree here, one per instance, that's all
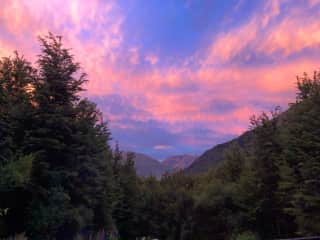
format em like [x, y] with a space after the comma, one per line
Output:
[17, 77]
[265, 172]
[125, 213]
[301, 142]
[71, 152]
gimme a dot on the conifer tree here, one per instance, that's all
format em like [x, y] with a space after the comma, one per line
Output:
[17, 77]
[301, 144]
[233, 164]
[126, 210]
[71, 150]
[265, 172]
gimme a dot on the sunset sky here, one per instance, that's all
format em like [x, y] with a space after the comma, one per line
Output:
[176, 76]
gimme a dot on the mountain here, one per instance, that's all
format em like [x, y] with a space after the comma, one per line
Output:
[148, 166]
[178, 162]
[215, 155]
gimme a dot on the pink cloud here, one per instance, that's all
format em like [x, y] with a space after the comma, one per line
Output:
[239, 85]
[162, 147]
[134, 56]
[152, 59]
[227, 45]
[271, 10]
[290, 34]
[28, 19]
[5, 48]
[313, 3]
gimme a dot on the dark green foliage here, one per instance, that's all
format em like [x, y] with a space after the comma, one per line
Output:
[126, 199]
[54, 145]
[165, 208]
[16, 173]
[16, 111]
[264, 164]
[232, 167]
[246, 236]
[301, 167]
[16, 80]
[72, 168]
[216, 212]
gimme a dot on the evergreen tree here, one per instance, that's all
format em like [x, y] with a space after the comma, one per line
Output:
[232, 165]
[71, 153]
[264, 168]
[17, 77]
[301, 142]
[126, 209]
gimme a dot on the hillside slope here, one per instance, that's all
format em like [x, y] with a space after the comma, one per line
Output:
[179, 162]
[215, 155]
[148, 166]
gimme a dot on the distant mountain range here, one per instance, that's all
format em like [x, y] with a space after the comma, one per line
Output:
[148, 166]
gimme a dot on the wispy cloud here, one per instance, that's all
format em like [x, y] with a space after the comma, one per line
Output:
[162, 147]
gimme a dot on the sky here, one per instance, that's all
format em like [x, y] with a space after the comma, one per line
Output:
[175, 76]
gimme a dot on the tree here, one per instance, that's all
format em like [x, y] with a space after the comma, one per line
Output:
[301, 142]
[232, 165]
[16, 110]
[264, 172]
[70, 144]
[17, 78]
[216, 212]
[125, 213]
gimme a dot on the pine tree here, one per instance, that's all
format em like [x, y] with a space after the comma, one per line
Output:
[72, 157]
[126, 208]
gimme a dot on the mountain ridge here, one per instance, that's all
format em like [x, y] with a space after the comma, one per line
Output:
[215, 154]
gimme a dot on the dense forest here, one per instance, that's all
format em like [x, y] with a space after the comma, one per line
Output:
[60, 178]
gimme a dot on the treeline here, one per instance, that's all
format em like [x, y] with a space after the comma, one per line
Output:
[60, 179]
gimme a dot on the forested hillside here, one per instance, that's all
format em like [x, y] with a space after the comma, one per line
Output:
[179, 162]
[60, 179]
[215, 155]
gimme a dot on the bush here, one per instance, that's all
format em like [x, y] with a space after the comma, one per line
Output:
[247, 236]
